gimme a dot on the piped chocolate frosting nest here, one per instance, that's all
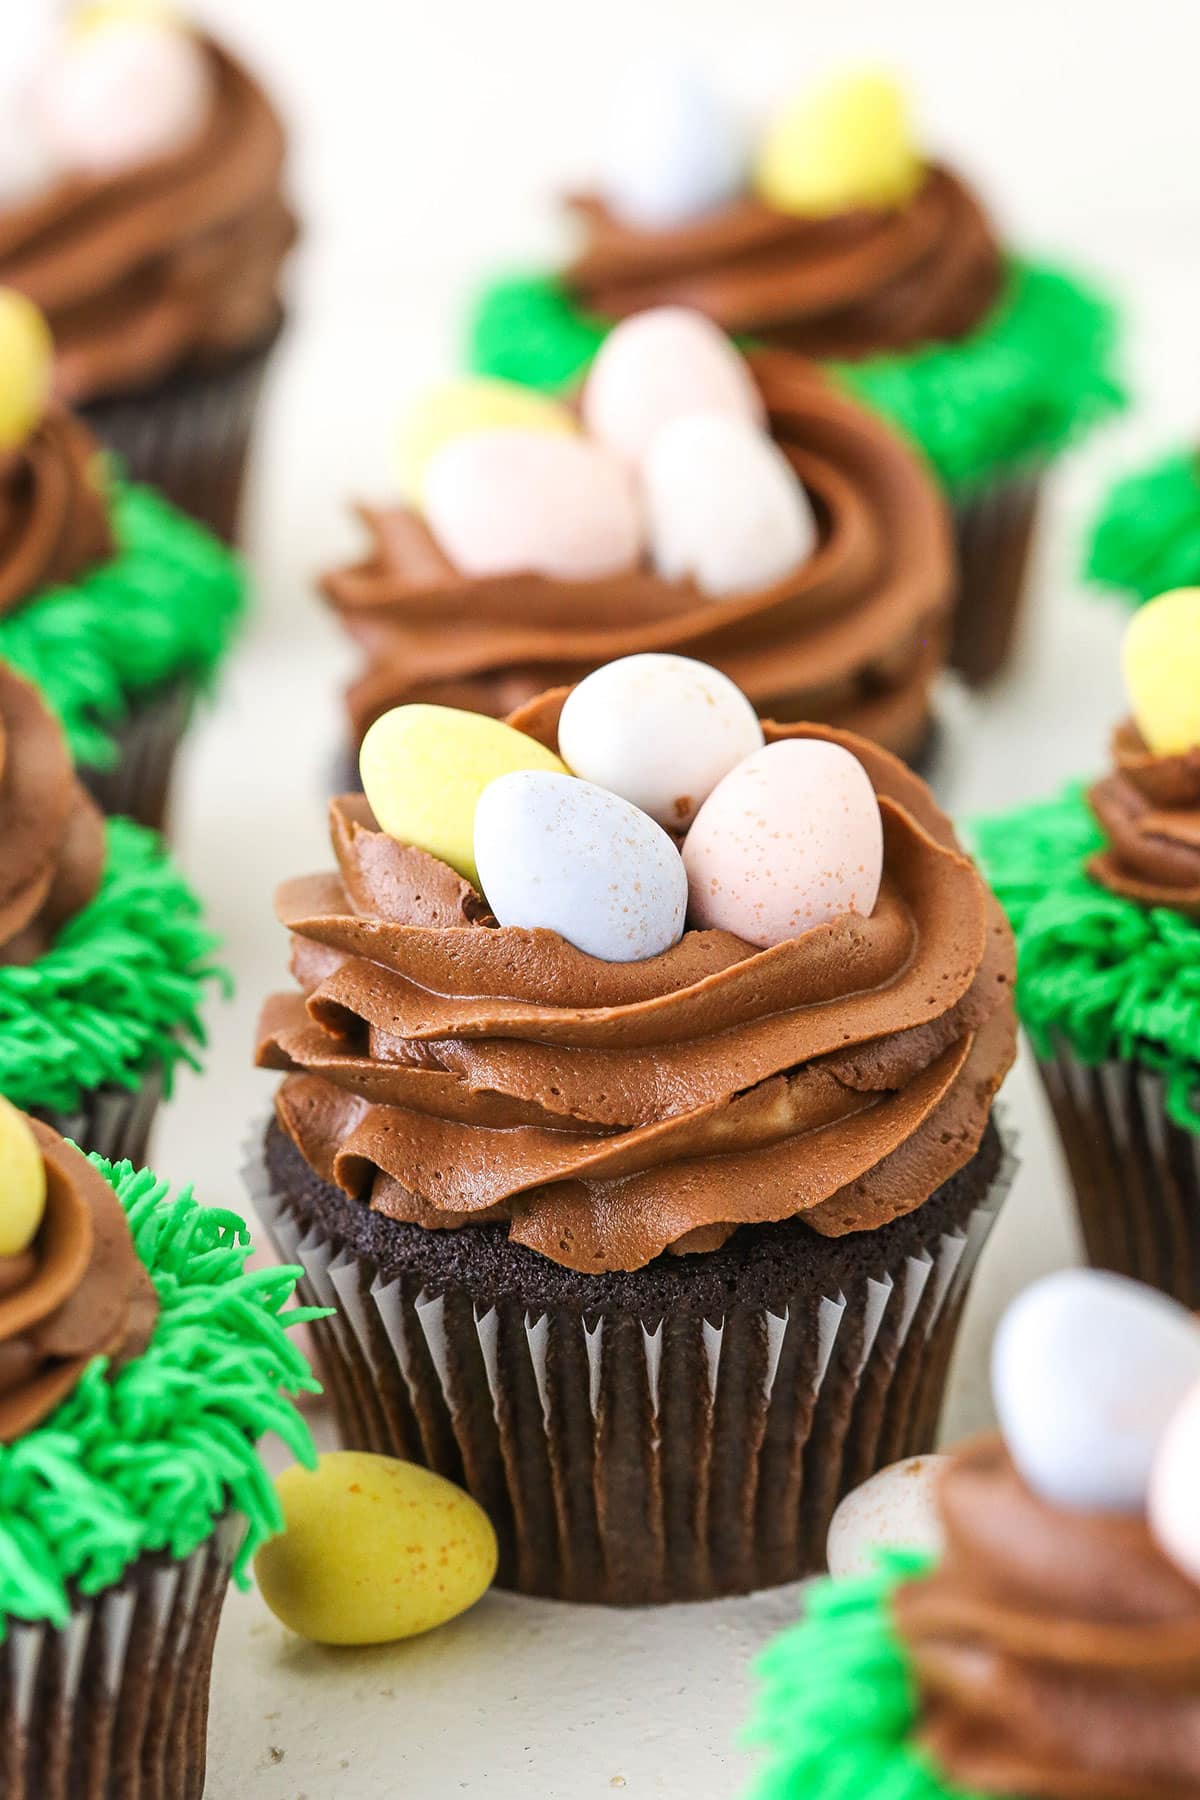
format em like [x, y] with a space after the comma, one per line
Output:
[54, 510]
[1149, 811]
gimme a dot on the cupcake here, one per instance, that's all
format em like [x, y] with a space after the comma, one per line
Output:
[836, 237]
[1146, 537]
[1102, 885]
[1050, 1648]
[743, 511]
[116, 605]
[104, 956]
[146, 217]
[141, 1367]
[650, 1180]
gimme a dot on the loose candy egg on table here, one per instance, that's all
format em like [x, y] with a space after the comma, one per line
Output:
[22, 1182]
[517, 502]
[1174, 1496]
[472, 404]
[1161, 663]
[895, 1510]
[1088, 1369]
[373, 1550]
[792, 838]
[672, 152]
[724, 505]
[26, 367]
[423, 769]
[847, 146]
[658, 730]
[564, 855]
[656, 366]
[127, 90]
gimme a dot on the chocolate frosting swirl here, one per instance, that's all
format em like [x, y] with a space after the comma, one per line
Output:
[54, 510]
[51, 832]
[853, 637]
[853, 285]
[449, 1071]
[1057, 1653]
[163, 266]
[1149, 810]
[79, 1291]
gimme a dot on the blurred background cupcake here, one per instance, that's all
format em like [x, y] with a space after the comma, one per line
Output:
[1145, 539]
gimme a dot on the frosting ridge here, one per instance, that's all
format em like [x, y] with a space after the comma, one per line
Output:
[1149, 811]
[54, 510]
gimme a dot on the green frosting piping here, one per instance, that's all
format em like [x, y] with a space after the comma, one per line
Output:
[1113, 978]
[153, 1457]
[1035, 376]
[1146, 540]
[119, 990]
[165, 607]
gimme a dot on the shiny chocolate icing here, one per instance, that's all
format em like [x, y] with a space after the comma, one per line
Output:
[1149, 811]
[54, 510]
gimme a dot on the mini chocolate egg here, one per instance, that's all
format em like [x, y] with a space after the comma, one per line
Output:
[468, 406]
[672, 152]
[792, 838]
[423, 769]
[655, 367]
[658, 730]
[22, 1182]
[848, 146]
[558, 854]
[724, 507]
[373, 1550]
[1161, 664]
[1088, 1369]
[895, 1510]
[127, 90]
[1174, 1498]
[520, 502]
[26, 368]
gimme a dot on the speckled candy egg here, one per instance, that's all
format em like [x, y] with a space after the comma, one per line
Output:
[514, 502]
[1174, 1498]
[22, 1182]
[895, 1510]
[27, 164]
[1161, 663]
[563, 855]
[657, 366]
[464, 408]
[671, 152]
[849, 145]
[659, 730]
[123, 91]
[26, 367]
[791, 839]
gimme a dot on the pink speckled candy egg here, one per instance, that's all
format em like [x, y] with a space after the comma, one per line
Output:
[895, 1510]
[123, 92]
[792, 838]
[657, 366]
[1174, 1495]
[516, 502]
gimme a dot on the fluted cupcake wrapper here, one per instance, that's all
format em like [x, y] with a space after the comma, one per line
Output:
[115, 1704]
[624, 1461]
[138, 786]
[993, 533]
[114, 1121]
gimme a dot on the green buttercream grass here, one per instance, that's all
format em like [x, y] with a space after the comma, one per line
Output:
[119, 990]
[152, 1458]
[1113, 978]
[165, 607]
[1146, 540]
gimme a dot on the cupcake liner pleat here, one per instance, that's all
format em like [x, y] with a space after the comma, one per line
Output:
[138, 786]
[114, 1121]
[993, 533]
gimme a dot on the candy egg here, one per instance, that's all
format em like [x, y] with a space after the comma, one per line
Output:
[659, 730]
[459, 408]
[1174, 1498]
[423, 769]
[848, 146]
[26, 164]
[895, 1510]
[22, 1182]
[724, 505]
[657, 366]
[520, 502]
[373, 1549]
[125, 91]
[791, 839]
[26, 367]
[1161, 663]
[671, 152]
[563, 855]
[1087, 1370]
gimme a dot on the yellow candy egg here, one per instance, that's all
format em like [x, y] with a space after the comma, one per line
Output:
[22, 1182]
[1161, 663]
[424, 767]
[849, 146]
[461, 408]
[373, 1550]
[26, 367]
[97, 14]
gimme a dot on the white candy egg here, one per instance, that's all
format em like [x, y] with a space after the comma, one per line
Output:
[123, 93]
[672, 152]
[895, 1510]
[27, 164]
[656, 367]
[1174, 1501]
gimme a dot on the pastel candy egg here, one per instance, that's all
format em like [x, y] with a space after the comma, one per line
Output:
[26, 163]
[671, 152]
[22, 1182]
[373, 1549]
[459, 408]
[848, 146]
[1174, 1499]
[423, 769]
[658, 730]
[1161, 662]
[130, 89]
[26, 367]
[657, 366]
[724, 505]
[520, 502]
[558, 854]
[791, 839]
[1087, 1370]
[895, 1510]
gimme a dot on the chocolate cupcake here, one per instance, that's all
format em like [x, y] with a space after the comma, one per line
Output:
[655, 1239]
[152, 234]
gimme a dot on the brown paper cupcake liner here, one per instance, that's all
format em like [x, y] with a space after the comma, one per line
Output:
[113, 1121]
[993, 537]
[138, 786]
[628, 1459]
[115, 1705]
[1136, 1174]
